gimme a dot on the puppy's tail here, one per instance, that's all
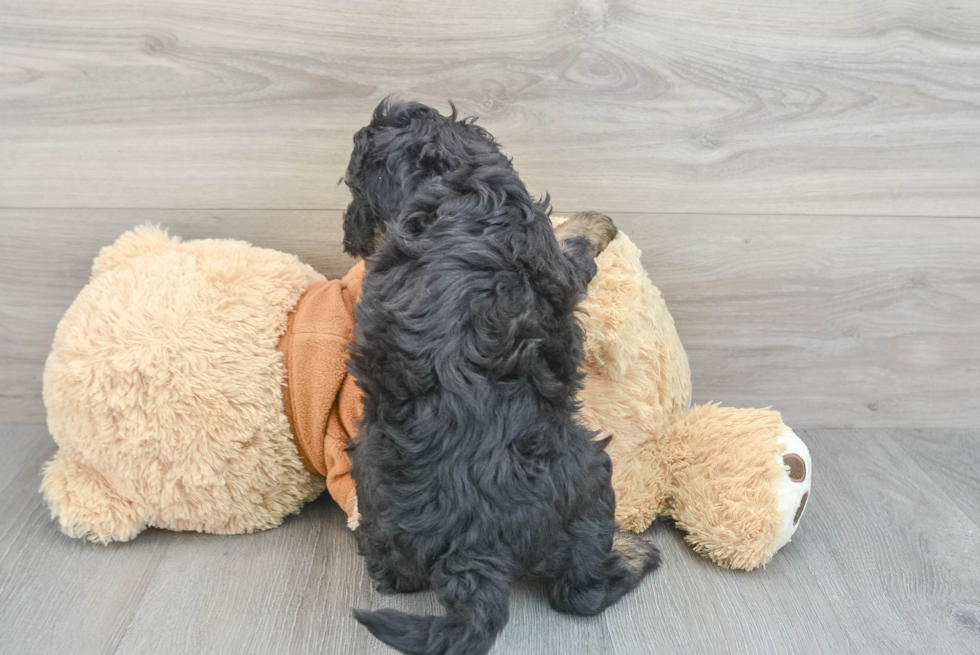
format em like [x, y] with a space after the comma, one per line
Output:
[468, 630]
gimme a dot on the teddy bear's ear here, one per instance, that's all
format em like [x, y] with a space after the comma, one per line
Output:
[140, 240]
[616, 302]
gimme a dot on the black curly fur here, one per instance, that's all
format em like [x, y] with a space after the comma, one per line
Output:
[471, 468]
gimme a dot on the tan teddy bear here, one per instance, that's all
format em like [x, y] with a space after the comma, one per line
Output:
[735, 480]
[201, 385]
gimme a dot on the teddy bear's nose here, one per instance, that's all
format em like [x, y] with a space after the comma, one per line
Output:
[797, 467]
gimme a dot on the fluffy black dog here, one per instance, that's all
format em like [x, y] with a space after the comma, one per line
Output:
[472, 468]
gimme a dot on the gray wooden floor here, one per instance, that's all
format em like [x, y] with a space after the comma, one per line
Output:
[885, 563]
[803, 179]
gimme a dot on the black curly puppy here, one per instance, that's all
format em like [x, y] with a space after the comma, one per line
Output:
[472, 468]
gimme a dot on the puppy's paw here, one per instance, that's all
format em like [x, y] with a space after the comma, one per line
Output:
[598, 229]
[393, 583]
[638, 554]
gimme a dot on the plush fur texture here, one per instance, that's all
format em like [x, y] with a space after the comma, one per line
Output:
[472, 467]
[714, 470]
[163, 391]
[160, 319]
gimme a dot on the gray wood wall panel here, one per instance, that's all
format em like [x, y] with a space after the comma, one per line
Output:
[835, 321]
[867, 107]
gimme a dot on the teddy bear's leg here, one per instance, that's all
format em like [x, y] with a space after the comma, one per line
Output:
[85, 505]
[740, 483]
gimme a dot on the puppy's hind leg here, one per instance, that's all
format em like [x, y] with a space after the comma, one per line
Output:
[392, 572]
[475, 593]
[595, 566]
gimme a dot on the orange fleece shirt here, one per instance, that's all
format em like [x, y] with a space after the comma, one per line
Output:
[321, 399]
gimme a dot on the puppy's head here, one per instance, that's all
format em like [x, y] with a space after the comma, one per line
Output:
[406, 144]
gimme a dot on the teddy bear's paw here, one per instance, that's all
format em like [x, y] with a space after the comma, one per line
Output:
[793, 488]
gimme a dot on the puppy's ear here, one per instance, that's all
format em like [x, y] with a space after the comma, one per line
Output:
[361, 229]
[376, 195]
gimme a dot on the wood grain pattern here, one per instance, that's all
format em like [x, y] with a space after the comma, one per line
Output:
[692, 606]
[55, 590]
[869, 107]
[835, 321]
[895, 551]
[46, 257]
[952, 459]
[288, 590]
[801, 178]
[885, 562]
